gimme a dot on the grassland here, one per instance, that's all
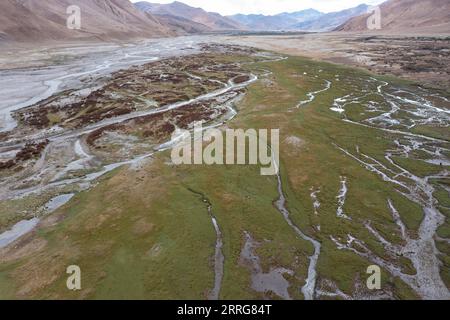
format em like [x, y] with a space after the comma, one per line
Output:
[143, 234]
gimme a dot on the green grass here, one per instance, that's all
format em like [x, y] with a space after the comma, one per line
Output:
[434, 132]
[54, 118]
[145, 234]
[420, 168]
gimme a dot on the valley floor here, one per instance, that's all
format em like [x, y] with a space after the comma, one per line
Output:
[422, 58]
[87, 179]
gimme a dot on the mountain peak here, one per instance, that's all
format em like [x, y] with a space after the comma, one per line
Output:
[305, 20]
[213, 21]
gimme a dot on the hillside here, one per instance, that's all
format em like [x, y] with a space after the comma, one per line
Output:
[17, 22]
[214, 21]
[407, 16]
[32, 20]
[181, 25]
[331, 20]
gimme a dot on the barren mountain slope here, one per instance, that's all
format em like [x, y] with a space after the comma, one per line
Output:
[19, 23]
[182, 25]
[407, 16]
[330, 20]
[112, 19]
[210, 19]
[177, 23]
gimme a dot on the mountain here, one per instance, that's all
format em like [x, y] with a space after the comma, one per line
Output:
[262, 22]
[177, 23]
[19, 23]
[306, 20]
[181, 25]
[332, 20]
[302, 16]
[35, 20]
[214, 21]
[407, 16]
[282, 21]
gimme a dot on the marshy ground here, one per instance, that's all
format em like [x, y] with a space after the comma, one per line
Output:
[364, 180]
[421, 58]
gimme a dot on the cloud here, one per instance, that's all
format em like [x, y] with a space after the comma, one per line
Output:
[270, 7]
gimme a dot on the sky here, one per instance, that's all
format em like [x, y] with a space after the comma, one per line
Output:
[270, 7]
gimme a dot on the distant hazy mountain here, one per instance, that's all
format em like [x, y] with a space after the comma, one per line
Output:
[261, 22]
[306, 20]
[213, 21]
[282, 21]
[33, 20]
[332, 20]
[181, 25]
[301, 16]
[407, 16]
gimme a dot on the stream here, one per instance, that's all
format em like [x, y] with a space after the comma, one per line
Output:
[308, 289]
[422, 252]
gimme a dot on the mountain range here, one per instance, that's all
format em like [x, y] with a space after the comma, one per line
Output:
[36, 20]
[282, 21]
[306, 20]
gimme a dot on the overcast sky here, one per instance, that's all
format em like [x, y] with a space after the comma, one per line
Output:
[227, 7]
